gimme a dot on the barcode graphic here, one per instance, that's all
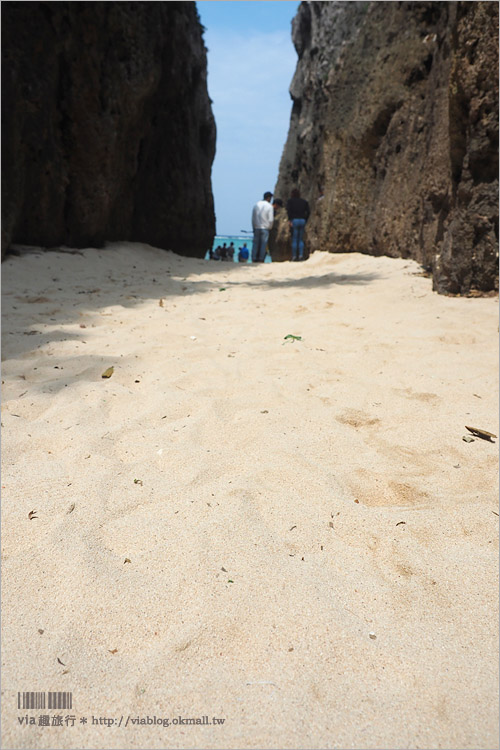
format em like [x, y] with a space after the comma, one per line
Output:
[60, 700]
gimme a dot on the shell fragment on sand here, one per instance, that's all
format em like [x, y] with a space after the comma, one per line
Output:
[481, 433]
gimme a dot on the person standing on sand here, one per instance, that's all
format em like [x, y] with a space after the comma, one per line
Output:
[243, 254]
[262, 221]
[298, 214]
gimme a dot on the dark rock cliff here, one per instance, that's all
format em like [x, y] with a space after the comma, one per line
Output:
[394, 135]
[107, 128]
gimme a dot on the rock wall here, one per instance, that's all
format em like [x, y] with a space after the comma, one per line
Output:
[394, 135]
[108, 132]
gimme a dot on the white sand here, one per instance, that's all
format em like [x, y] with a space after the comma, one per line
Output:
[251, 454]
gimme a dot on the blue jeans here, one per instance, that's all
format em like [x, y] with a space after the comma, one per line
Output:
[298, 226]
[259, 244]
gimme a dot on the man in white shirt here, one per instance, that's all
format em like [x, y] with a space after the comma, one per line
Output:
[262, 221]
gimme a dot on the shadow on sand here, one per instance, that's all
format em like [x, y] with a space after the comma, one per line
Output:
[59, 293]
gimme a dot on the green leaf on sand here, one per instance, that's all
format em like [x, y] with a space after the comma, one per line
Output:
[107, 373]
[291, 337]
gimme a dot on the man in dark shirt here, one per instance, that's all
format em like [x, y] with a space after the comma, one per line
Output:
[298, 214]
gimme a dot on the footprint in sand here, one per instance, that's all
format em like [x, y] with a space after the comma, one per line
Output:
[374, 490]
[410, 393]
[356, 418]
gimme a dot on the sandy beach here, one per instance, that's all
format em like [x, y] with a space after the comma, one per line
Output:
[287, 534]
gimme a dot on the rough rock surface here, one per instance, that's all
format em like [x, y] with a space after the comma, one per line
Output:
[108, 132]
[394, 135]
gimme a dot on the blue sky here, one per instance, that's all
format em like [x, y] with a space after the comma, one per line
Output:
[251, 62]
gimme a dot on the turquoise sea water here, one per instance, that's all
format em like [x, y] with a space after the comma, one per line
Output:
[239, 241]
